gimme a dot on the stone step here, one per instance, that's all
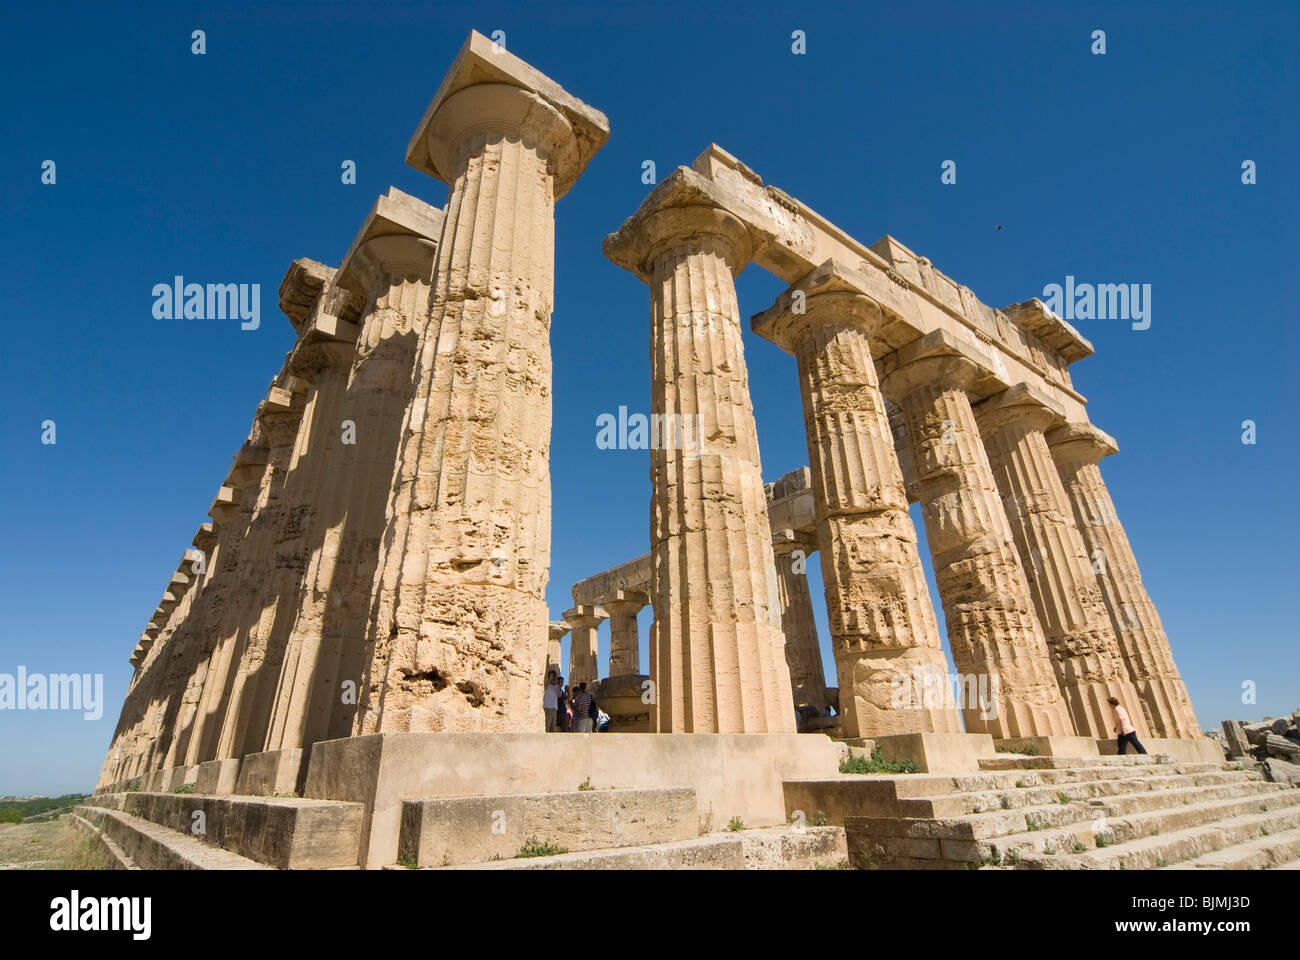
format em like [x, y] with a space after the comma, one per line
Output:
[137, 843]
[446, 831]
[1152, 851]
[1009, 761]
[1193, 820]
[1024, 795]
[1270, 851]
[290, 833]
[882, 794]
[713, 852]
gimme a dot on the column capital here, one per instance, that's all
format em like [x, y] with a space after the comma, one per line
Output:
[941, 357]
[206, 537]
[556, 630]
[1080, 443]
[399, 239]
[489, 88]
[678, 212]
[832, 293]
[622, 602]
[301, 287]
[785, 542]
[1022, 404]
[584, 616]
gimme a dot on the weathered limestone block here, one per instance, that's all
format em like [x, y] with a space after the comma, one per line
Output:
[993, 630]
[1238, 745]
[1085, 654]
[1077, 449]
[882, 624]
[459, 631]
[803, 653]
[717, 655]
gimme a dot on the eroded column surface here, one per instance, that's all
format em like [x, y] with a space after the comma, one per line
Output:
[461, 619]
[1009, 688]
[717, 652]
[624, 643]
[391, 263]
[583, 621]
[1077, 449]
[884, 634]
[1085, 654]
[803, 655]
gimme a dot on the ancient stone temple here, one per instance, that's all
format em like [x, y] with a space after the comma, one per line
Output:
[354, 646]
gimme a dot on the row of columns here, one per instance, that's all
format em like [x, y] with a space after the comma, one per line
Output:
[1054, 619]
[381, 547]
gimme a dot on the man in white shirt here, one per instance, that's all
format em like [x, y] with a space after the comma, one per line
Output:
[550, 701]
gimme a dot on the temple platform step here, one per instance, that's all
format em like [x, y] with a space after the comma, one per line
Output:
[282, 832]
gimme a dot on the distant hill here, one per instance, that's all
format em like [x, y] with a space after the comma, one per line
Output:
[36, 809]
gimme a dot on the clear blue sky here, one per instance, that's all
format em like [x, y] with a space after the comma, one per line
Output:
[225, 167]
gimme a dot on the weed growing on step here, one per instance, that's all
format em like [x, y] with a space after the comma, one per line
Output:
[877, 763]
[1161, 862]
[1021, 784]
[1032, 823]
[735, 824]
[1013, 857]
[1101, 839]
[1049, 850]
[1062, 797]
[408, 861]
[1006, 803]
[535, 848]
[818, 819]
[1077, 846]
[586, 785]
[1025, 749]
[184, 788]
[842, 865]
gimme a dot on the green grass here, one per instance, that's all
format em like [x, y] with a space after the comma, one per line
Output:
[735, 824]
[1062, 797]
[1101, 839]
[586, 785]
[842, 865]
[1049, 850]
[408, 861]
[877, 763]
[1021, 784]
[184, 788]
[1006, 803]
[818, 819]
[535, 848]
[1025, 749]
[1032, 823]
[1077, 846]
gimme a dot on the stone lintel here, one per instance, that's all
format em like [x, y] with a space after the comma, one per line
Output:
[481, 61]
[1033, 317]
[1080, 442]
[857, 293]
[943, 354]
[301, 288]
[633, 575]
[1020, 401]
[398, 216]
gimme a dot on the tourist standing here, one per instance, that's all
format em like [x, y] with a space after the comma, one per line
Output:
[583, 706]
[550, 702]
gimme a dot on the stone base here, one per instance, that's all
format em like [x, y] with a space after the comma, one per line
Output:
[1202, 750]
[732, 774]
[1050, 746]
[218, 777]
[933, 752]
[274, 773]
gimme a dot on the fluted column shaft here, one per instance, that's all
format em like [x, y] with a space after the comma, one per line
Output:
[1085, 652]
[883, 629]
[717, 655]
[321, 675]
[624, 642]
[461, 619]
[583, 622]
[803, 655]
[1077, 448]
[997, 643]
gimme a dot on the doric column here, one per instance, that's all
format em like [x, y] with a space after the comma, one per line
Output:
[555, 632]
[883, 629]
[998, 646]
[1077, 449]
[624, 644]
[1085, 653]
[583, 621]
[460, 621]
[803, 653]
[717, 657]
[390, 266]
